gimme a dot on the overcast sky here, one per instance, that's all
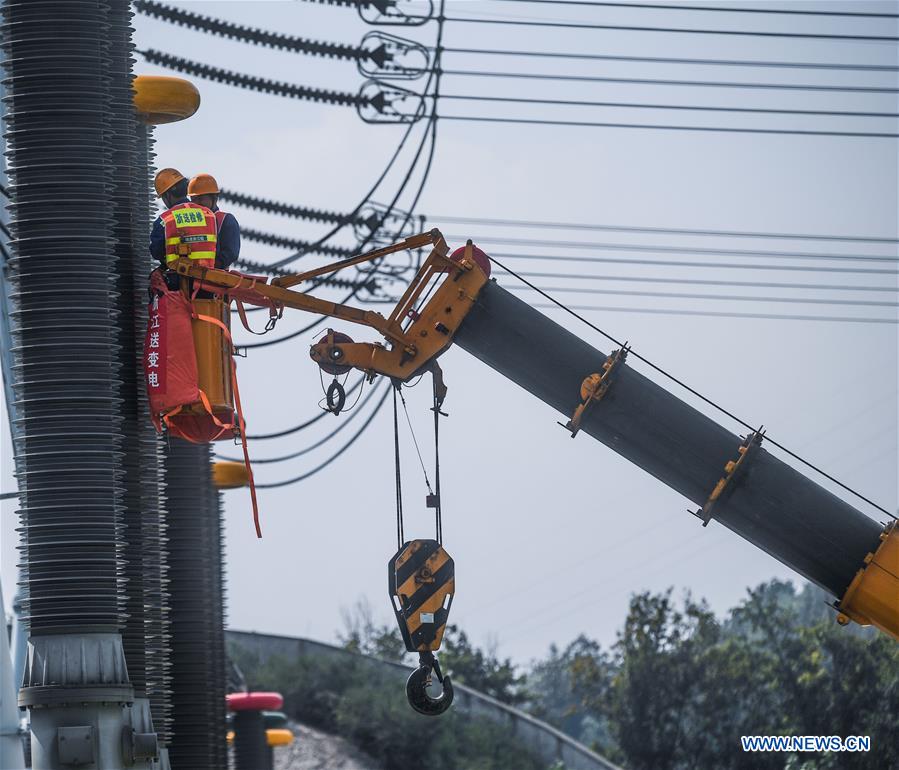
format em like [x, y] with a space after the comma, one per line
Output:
[551, 536]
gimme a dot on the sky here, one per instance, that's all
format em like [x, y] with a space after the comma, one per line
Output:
[551, 536]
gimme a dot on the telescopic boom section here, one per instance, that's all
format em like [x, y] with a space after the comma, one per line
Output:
[733, 480]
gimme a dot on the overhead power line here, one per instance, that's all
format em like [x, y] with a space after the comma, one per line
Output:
[690, 108]
[704, 265]
[711, 282]
[678, 30]
[712, 129]
[713, 8]
[671, 60]
[691, 83]
[717, 297]
[338, 453]
[251, 35]
[726, 314]
[297, 244]
[438, 218]
[253, 83]
[644, 247]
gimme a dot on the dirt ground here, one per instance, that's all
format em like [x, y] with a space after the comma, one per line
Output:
[315, 750]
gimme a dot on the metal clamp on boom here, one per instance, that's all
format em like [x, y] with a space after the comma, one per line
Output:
[595, 386]
[748, 448]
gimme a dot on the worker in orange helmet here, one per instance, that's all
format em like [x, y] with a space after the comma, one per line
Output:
[184, 229]
[204, 189]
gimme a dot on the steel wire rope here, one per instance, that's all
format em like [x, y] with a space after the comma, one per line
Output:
[725, 314]
[332, 458]
[690, 83]
[686, 387]
[303, 425]
[711, 282]
[246, 34]
[796, 255]
[684, 263]
[664, 230]
[713, 8]
[720, 297]
[677, 30]
[684, 107]
[305, 450]
[674, 60]
[671, 127]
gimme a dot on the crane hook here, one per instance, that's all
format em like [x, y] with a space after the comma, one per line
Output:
[417, 687]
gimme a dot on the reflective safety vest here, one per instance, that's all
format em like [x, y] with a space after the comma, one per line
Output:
[190, 231]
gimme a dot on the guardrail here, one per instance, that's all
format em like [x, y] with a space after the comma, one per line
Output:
[543, 740]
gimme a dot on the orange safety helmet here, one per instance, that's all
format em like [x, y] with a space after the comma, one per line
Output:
[165, 179]
[203, 184]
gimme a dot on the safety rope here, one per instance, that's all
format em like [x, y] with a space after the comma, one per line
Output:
[251, 82]
[249, 34]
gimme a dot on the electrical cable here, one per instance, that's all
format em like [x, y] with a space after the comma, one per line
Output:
[251, 35]
[683, 263]
[797, 255]
[271, 239]
[251, 82]
[286, 209]
[333, 457]
[303, 425]
[691, 83]
[690, 108]
[711, 282]
[719, 129]
[727, 314]
[676, 30]
[671, 60]
[316, 445]
[686, 387]
[726, 9]
[665, 230]
[718, 297]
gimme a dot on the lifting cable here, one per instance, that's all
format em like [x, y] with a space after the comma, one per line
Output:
[686, 387]
[400, 538]
[253, 83]
[249, 34]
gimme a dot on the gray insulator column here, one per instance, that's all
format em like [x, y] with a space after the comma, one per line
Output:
[152, 501]
[195, 597]
[771, 504]
[66, 372]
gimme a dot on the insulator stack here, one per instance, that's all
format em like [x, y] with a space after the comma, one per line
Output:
[125, 221]
[66, 353]
[196, 613]
[218, 686]
[155, 553]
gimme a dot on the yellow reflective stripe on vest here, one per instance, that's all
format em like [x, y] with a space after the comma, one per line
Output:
[179, 239]
[193, 255]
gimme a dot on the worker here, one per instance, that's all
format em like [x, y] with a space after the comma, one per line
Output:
[184, 229]
[204, 189]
